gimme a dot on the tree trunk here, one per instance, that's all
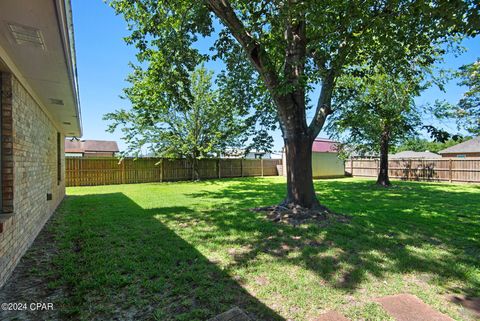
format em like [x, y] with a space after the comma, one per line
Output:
[195, 173]
[383, 179]
[291, 106]
[300, 190]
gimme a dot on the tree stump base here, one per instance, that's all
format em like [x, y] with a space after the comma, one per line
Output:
[297, 215]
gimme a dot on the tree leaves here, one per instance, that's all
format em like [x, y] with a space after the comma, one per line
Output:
[193, 122]
[293, 46]
[468, 109]
[369, 107]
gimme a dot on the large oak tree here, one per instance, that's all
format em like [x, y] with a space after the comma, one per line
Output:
[294, 46]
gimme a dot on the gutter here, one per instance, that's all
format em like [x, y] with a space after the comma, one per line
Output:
[65, 21]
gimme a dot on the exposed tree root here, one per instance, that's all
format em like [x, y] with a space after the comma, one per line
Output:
[296, 215]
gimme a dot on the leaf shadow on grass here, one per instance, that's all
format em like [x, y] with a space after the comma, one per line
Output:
[388, 227]
[117, 261]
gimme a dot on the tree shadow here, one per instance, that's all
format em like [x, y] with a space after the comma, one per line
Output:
[425, 171]
[412, 227]
[116, 260]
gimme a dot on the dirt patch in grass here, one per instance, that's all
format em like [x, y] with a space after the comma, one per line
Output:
[31, 281]
[297, 215]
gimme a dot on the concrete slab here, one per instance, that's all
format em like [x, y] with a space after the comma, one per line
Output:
[234, 314]
[407, 307]
[331, 316]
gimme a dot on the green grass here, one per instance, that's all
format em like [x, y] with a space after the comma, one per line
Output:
[188, 251]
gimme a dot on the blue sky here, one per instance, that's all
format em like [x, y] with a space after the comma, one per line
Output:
[103, 56]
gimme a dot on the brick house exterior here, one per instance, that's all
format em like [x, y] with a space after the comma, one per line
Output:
[469, 148]
[32, 128]
[460, 155]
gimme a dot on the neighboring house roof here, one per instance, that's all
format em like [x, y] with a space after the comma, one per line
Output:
[324, 145]
[37, 46]
[85, 146]
[412, 154]
[470, 146]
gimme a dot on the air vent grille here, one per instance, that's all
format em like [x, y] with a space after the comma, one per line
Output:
[55, 101]
[24, 35]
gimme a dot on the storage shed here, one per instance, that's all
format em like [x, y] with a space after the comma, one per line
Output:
[325, 160]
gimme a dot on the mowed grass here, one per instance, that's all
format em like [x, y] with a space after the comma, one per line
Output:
[188, 251]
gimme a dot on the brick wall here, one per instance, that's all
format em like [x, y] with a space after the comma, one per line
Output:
[456, 155]
[32, 138]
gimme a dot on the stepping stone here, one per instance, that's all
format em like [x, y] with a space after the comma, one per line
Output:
[235, 314]
[407, 307]
[470, 304]
[331, 316]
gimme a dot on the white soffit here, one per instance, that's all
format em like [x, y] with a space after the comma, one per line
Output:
[36, 45]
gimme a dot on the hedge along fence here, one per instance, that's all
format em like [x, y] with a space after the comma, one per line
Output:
[107, 171]
[465, 170]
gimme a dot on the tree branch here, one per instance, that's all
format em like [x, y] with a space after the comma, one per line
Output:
[294, 68]
[323, 106]
[257, 55]
[295, 51]
[324, 102]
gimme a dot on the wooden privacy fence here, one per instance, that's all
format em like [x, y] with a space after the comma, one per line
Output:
[438, 169]
[106, 171]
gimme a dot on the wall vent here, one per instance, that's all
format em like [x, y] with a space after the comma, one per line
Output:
[55, 101]
[24, 35]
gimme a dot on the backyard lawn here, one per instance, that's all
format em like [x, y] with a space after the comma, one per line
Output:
[188, 251]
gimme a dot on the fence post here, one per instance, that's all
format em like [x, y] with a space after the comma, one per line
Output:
[192, 167]
[261, 163]
[104, 178]
[351, 166]
[241, 167]
[80, 170]
[219, 174]
[123, 170]
[161, 169]
[450, 175]
[410, 170]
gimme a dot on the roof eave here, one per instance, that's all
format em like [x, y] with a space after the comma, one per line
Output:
[65, 20]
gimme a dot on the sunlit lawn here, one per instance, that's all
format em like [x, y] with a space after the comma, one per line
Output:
[188, 251]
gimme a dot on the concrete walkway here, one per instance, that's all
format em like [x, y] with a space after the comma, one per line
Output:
[401, 307]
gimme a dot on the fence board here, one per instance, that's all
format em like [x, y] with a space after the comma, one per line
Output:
[107, 171]
[438, 169]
